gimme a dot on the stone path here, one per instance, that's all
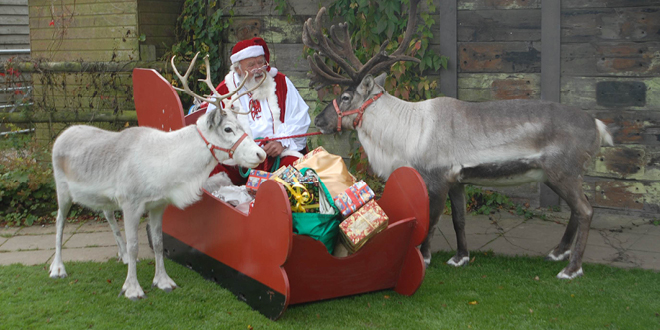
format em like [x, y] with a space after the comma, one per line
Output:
[614, 240]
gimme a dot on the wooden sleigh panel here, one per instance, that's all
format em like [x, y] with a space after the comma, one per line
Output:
[258, 258]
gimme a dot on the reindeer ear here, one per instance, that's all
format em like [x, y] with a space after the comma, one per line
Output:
[380, 80]
[366, 85]
[215, 117]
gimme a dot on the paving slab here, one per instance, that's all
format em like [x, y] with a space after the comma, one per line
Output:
[2, 241]
[617, 239]
[8, 231]
[97, 226]
[91, 239]
[519, 246]
[31, 242]
[601, 254]
[538, 229]
[27, 258]
[49, 229]
[647, 243]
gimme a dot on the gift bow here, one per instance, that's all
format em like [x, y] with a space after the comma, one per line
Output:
[300, 193]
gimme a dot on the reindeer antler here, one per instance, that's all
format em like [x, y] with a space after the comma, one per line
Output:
[217, 97]
[340, 51]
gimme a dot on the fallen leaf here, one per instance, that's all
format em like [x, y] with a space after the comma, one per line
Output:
[127, 124]
[536, 278]
[472, 260]
[109, 281]
[318, 316]
[531, 311]
[483, 276]
[572, 295]
[250, 327]
[386, 297]
[627, 308]
[472, 302]
[445, 305]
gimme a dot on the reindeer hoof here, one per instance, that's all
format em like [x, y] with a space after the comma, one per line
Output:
[164, 283]
[133, 294]
[458, 262]
[564, 256]
[57, 270]
[427, 261]
[568, 275]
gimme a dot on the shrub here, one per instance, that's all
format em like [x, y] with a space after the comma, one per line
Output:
[27, 187]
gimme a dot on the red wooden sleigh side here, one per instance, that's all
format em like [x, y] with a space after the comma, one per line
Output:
[257, 256]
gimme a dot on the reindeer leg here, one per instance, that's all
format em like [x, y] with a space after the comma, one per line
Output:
[161, 279]
[131, 288]
[64, 202]
[457, 198]
[581, 215]
[122, 254]
[437, 196]
[563, 250]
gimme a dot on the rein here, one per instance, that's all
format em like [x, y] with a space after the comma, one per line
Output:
[357, 122]
[212, 147]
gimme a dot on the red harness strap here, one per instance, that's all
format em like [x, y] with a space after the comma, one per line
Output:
[357, 122]
[228, 151]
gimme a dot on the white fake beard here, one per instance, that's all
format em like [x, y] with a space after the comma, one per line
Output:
[265, 90]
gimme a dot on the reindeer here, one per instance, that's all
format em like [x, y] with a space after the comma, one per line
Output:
[452, 143]
[140, 170]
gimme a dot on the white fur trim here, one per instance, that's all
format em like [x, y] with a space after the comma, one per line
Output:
[272, 72]
[247, 52]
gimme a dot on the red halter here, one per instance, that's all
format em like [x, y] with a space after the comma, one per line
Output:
[228, 151]
[357, 122]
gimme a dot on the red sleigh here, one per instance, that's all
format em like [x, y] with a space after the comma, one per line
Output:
[257, 257]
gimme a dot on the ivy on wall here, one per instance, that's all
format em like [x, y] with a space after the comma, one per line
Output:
[371, 22]
[199, 29]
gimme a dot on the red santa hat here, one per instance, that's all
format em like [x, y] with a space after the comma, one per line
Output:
[252, 48]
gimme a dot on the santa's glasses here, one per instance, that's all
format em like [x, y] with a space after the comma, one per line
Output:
[261, 69]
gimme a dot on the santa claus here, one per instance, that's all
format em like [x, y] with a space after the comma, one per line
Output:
[276, 109]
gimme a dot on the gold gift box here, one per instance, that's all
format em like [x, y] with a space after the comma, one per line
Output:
[360, 226]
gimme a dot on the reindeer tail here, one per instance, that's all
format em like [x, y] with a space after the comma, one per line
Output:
[603, 132]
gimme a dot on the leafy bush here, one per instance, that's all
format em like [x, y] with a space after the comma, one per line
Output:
[27, 187]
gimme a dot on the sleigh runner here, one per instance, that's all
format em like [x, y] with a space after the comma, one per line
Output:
[258, 258]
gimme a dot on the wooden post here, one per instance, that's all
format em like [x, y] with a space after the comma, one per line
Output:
[550, 71]
[448, 47]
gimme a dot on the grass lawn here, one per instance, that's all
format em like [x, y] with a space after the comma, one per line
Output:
[493, 292]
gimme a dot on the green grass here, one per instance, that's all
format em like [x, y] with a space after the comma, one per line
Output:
[493, 292]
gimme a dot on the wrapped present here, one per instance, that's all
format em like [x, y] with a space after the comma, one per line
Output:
[289, 174]
[360, 226]
[255, 179]
[307, 156]
[353, 198]
[299, 196]
[330, 168]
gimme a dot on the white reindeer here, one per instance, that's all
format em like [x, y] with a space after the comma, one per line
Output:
[452, 143]
[140, 170]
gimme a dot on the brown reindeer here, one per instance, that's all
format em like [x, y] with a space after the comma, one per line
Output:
[452, 143]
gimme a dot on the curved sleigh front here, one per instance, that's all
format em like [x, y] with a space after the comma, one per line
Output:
[259, 259]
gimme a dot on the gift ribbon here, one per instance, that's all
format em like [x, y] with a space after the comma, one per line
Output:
[299, 193]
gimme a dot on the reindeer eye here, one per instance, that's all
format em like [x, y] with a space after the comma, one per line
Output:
[228, 130]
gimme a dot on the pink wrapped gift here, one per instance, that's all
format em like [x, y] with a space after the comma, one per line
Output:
[353, 198]
[360, 226]
[255, 179]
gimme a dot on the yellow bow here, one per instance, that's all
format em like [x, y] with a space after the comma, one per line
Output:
[299, 193]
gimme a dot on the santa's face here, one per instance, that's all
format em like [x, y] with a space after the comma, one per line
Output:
[253, 67]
